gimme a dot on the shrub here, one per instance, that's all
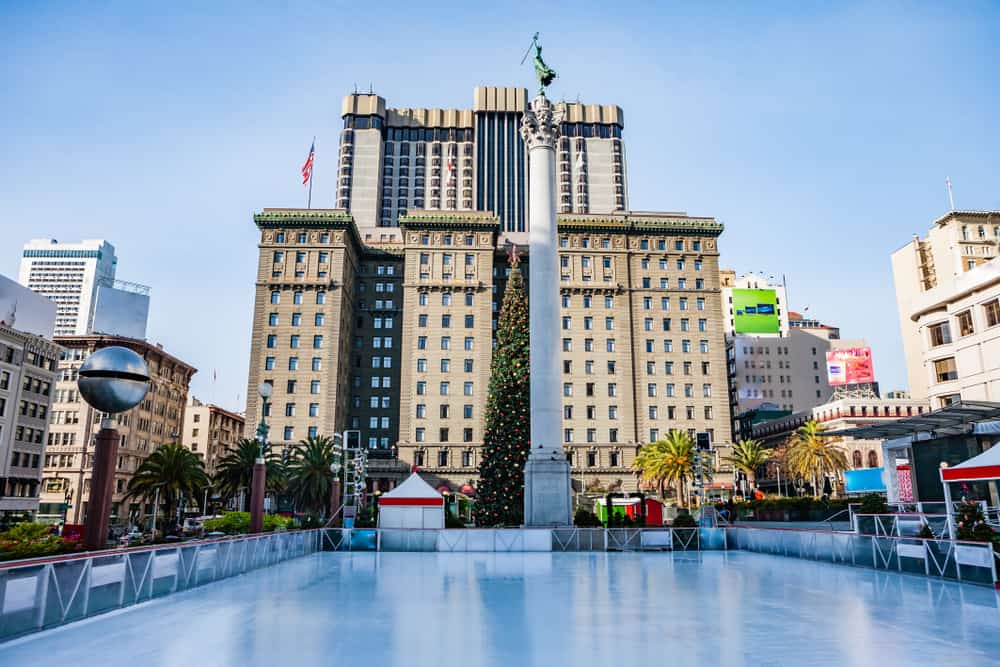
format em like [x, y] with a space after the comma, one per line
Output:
[926, 533]
[238, 523]
[586, 519]
[684, 521]
[31, 540]
[365, 518]
[874, 503]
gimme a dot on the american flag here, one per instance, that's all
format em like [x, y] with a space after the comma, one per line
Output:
[451, 170]
[307, 168]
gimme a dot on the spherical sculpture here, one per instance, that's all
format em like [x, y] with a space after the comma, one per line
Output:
[113, 379]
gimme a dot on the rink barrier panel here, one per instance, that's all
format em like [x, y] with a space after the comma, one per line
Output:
[41, 593]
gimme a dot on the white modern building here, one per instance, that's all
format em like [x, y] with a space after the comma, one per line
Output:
[80, 279]
[948, 295]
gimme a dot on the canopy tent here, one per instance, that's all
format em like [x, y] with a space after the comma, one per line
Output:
[412, 504]
[982, 467]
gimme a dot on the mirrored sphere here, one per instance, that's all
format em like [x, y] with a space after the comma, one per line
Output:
[113, 379]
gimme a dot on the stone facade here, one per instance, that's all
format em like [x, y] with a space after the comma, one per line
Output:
[27, 384]
[642, 339]
[210, 431]
[157, 420]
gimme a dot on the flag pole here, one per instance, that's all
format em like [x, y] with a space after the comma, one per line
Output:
[951, 197]
[309, 205]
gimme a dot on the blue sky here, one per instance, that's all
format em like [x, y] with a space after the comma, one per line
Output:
[819, 133]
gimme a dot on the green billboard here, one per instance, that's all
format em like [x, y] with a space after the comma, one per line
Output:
[755, 311]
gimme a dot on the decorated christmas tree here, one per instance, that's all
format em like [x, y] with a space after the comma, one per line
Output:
[500, 497]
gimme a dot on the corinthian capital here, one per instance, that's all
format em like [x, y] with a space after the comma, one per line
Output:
[540, 125]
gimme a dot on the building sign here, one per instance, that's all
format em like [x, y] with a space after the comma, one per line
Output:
[851, 365]
[755, 311]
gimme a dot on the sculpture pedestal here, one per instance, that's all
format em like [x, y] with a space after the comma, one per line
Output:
[102, 487]
[547, 493]
[257, 496]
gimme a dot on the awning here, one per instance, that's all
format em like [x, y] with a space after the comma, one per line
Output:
[954, 418]
[983, 466]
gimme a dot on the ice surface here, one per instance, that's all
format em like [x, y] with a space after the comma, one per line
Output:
[608, 609]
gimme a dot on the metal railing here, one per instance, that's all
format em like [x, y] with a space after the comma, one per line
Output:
[47, 592]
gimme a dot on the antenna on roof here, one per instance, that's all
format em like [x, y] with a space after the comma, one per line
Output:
[951, 197]
[371, 88]
[355, 87]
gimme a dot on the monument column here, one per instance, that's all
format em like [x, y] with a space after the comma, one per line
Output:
[547, 472]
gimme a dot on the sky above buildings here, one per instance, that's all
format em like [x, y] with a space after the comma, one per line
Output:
[820, 134]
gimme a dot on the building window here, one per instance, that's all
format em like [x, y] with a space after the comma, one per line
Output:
[275, 297]
[992, 312]
[965, 327]
[945, 370]
[443, 454]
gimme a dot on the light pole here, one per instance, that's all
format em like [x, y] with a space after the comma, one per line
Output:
[335, 485]
[259, 467]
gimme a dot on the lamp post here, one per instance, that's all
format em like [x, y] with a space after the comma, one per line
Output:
[259, 467]
[112, 380]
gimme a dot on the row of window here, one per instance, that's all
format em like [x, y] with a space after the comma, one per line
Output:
[293, 341]
[446, 298]
[445, 342]
[318, 319]
[278, 257]
[644, 244]
[301, 237]
[470, 321]
[444, 434]
[940, 333]
[291, 407]
[706, 390]
[444, 388]
[467, 365]
[297, 297]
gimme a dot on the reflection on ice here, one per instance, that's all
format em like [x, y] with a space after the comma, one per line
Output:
[547, 609]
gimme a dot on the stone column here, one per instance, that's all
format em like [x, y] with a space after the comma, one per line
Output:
[547, 472]
[102, 486]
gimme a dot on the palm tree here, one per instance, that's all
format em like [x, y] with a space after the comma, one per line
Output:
[234, 471]
[309, 478]
[811, 455]
[172, 470]
[670, 461]
[748, 455]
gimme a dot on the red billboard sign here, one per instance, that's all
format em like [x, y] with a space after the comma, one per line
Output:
[851, 365]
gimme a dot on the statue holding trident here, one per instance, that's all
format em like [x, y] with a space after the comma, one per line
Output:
[544, 73]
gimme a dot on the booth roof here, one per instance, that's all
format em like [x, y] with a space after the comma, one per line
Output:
[413, 486]
[981, 466]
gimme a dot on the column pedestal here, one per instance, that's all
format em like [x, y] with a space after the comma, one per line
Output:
[95, 533]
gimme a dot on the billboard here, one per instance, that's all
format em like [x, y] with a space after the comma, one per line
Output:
[850, 365]
[755, 311]
[120, 312]
[24, 310]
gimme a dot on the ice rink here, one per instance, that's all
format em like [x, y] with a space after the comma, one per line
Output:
[575, 609]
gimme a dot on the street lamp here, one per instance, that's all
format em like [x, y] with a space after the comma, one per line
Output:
[112, 380]
[259, 467]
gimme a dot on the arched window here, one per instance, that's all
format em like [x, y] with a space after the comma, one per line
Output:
[856, 458]
[872, 459]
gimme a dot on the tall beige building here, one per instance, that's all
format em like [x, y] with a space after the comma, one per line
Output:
[391, 333]
[948, 296]
[393, 161]
[210, 431]
[73, 424]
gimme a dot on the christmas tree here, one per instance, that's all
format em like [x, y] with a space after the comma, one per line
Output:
[507, 441]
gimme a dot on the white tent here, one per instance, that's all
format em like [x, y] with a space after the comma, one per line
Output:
[412, 504]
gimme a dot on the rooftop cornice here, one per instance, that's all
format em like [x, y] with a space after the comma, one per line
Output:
[641, 223]
[471, 220]
[966, 214]
[300, 217]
